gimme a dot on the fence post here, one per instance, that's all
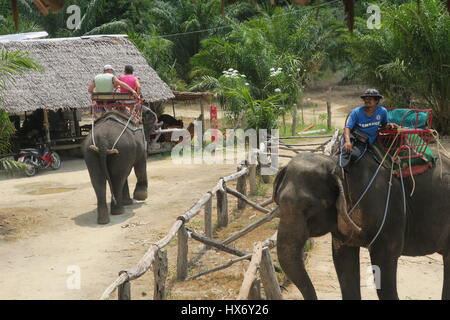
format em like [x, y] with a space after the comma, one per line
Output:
[328, 115]
[241, 187]
[222, 208]
[268, 277]
[160, 275]
[182, 256]
[294, 120]
[252, 179]
[124, 291]
[208, 218]
[255, 291]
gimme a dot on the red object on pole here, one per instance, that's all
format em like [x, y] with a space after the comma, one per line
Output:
[214, 123]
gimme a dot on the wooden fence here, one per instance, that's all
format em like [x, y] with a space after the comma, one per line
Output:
[260, 258]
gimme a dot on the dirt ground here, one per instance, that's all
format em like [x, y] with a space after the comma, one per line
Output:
[48, 228]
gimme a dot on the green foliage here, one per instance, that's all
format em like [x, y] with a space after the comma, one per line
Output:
[6, 131]
[13, 63]
[408, 58]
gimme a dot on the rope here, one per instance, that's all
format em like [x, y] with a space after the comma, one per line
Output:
[410, 172]
[375, 174]
[124, 128]
[385, 209]
[435, 135]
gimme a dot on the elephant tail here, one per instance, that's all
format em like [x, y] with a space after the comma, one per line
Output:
[103, 154]
[277, 184]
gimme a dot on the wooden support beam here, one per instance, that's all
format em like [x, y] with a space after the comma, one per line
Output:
[160, 268]
[224, 266]
[268, 277]
[244, 199]
[182, 256]
[274, 213]
[216, 244]
[328, 115]
[250, 274]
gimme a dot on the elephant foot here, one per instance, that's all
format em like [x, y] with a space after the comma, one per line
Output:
[116, 210]
[140, 195]
[103, 220]
[127, 202]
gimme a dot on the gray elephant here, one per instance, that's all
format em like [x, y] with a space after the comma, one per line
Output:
[312, 201]
[110, 159]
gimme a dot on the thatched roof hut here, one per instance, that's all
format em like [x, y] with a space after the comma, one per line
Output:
[69, 66]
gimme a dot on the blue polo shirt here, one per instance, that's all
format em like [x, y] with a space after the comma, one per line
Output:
[369, 125]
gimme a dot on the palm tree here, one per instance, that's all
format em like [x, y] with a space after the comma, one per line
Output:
[11, 65]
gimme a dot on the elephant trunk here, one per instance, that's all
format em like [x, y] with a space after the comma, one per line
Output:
[291, 239]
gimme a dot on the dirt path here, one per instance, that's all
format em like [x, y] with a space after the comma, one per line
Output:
[49, 225]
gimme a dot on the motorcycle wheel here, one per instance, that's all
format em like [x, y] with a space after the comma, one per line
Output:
[56, 161]
[31, 169]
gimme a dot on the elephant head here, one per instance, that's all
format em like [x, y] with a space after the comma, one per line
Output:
[310, 195]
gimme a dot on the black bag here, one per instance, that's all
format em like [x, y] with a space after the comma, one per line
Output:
[360, 136]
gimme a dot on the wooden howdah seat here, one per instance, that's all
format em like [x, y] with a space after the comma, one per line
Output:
[121, 101]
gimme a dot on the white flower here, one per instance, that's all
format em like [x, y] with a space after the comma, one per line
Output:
[247, 84]
[272, 69]
[298, 70]
[231, 69]
[278, 90]
[243, 76]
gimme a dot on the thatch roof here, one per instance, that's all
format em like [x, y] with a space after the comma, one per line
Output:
[69, 66]
[186, 96]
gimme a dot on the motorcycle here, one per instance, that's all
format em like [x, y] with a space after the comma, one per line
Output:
[39, 158]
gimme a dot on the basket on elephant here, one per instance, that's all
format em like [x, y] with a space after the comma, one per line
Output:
[412, 139]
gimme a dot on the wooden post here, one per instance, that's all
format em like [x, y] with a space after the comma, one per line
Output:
[46, 126]
[76, 123]
[160, 274]
[303, 116]
[208, 218]
[294, 120]
[124, 291]
[252, 179]
[241, 187]
[222, 209]
[202, 111]
[255, 291]
[328, 115]
[268, 277]
[173, 108]
[182, 256]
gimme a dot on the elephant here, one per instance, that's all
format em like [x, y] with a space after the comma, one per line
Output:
[313, 202]
[110, 159]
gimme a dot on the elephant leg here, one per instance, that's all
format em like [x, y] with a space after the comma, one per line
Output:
[126, 200]
[118, 182]
[291, 239]
[385, 262]
[446, 287]
[98, 180]
[346, 262]
[140, 169]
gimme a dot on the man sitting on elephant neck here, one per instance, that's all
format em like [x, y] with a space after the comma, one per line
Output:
[362, 127]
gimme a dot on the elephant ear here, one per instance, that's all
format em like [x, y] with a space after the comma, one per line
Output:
[346, 225]
[277, 183]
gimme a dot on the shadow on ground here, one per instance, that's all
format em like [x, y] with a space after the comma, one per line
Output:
[89, 219]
